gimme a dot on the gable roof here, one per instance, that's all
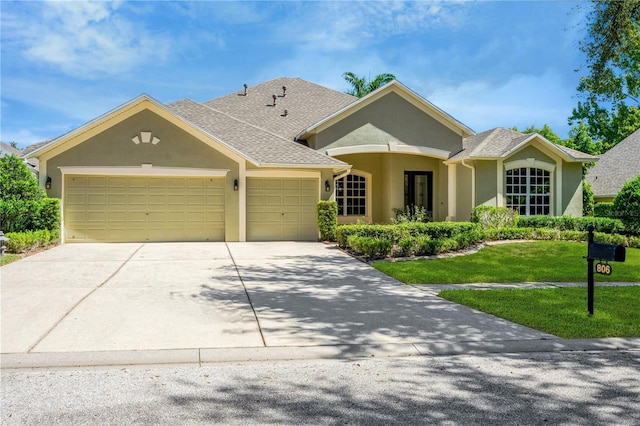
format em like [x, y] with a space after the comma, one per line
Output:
[258, 145]
[501, 142]
[5, 148]
[616, 167]
[305, 103]
[392, 87]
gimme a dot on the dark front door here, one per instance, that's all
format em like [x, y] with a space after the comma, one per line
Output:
[418, 190]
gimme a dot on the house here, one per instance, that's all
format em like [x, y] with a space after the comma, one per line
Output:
[616, 167]
[6, 149]
[251, 165]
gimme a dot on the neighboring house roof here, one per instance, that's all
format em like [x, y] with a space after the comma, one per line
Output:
[261, 146]
[305, 104]
[501, 142]
[8, 149]
[616, 167]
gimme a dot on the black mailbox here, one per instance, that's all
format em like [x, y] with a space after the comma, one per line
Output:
[602, 251]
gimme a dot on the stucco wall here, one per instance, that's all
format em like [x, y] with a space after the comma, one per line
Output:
[572, 189]
[486, 183]
[395, 116]
[176, 148]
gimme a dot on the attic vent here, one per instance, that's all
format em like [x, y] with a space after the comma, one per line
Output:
[285, 113]
[284, 91]
[274, 99]
[245, 89]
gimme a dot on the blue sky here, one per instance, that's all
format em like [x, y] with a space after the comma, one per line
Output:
[486, 63]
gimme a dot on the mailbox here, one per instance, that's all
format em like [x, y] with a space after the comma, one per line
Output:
[609, 252]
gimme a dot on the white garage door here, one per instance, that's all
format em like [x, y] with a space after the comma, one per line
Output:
[141, 208]
[282, 209]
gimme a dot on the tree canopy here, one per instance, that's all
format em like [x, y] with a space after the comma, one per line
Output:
[611, 88]
[361, 87]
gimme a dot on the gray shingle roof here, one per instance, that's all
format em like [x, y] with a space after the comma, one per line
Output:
[618, 165]
[306, 104]
[260, 145]
[498, 142]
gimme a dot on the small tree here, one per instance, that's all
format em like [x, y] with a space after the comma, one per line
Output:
[20, 196]
[626, 205]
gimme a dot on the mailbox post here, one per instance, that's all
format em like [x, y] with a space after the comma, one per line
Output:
[599, 251]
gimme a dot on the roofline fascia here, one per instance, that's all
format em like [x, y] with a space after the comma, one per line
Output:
[366, 100]
[565, 155]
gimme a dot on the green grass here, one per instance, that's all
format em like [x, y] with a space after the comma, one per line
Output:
[555, 261]
[8, 258]
[560, 311]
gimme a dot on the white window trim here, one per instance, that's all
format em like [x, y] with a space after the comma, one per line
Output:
[530, 163]
[344, 219]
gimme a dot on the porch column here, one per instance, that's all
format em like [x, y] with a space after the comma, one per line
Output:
[451, 192]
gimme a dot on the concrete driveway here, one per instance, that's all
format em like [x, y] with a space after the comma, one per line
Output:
[157, 296]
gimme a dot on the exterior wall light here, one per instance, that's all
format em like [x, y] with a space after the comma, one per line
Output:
[47, 184]
[235, 184]
[327, 186]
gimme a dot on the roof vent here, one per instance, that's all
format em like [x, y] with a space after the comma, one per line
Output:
[285, 113]
[284, 91]
[245, 89]
[274, 99]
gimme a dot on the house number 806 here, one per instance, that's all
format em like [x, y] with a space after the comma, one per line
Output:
[603, 268]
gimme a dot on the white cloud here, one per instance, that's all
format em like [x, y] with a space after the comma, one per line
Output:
[87, 39]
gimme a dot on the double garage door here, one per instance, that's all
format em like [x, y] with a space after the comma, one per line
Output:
[140, 208]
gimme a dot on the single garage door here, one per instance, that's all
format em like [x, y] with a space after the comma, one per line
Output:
[141, 208]
[282, 209]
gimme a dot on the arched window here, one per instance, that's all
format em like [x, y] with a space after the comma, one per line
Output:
[351, 195]
[529, 191]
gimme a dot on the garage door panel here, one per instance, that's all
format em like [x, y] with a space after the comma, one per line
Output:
[281, 209]
[124, 208]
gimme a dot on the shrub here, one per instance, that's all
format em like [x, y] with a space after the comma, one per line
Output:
[587, 199]
[412, 214]
[494, 217]
[48, 216]
[390, 233]
[626, 205]
[20, 194]
[494, 234]
[570, 223]
[603, 209]
[22, 242]
[372, 248]
[327, 220]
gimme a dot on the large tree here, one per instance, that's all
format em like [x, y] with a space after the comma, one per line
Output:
[361, 87]
[611, 88]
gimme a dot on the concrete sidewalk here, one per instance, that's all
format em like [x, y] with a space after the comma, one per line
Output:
[107, 304]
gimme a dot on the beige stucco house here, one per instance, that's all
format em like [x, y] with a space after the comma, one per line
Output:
[252, 165]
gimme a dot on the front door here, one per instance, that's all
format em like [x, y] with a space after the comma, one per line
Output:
[418, 190]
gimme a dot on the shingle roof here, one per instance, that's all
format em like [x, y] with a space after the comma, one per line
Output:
[306, 104]
[498, 142]
[8, 149]
[260, 145]
[616, 166]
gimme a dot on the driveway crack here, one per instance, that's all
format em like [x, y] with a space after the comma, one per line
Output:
[246, 292]
[83, 299]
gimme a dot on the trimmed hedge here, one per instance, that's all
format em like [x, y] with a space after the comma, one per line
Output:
[22, 242]
[372, 248]
[394, 233]
[570, 223]
[603, 209]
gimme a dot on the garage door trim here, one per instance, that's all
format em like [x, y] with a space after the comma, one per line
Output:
[143, 170]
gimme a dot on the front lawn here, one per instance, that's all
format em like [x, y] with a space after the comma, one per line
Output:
[560, 311]
[538, 261]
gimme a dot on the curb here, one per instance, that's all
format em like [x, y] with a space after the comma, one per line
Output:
[289, 353]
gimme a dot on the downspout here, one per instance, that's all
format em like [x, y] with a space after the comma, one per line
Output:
[473, 183]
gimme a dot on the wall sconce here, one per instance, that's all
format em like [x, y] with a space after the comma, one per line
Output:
[327, 186]
[47, 184]
[235, 184]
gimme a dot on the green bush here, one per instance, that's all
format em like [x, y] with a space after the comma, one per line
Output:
[570, 223]
[494, 217]
[587, 199]
[22, 242]
[626, 205]
[48, 216]
[327, 219]
[390, 233]
[493, 234]
[372, 248]
[20, 195]
[412, 214]
[603, 209]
